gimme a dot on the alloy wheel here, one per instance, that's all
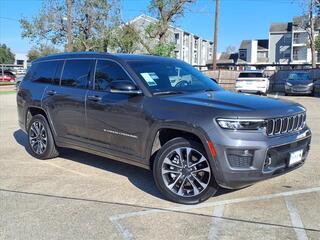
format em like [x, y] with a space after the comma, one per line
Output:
[186, 172]
[38, 137]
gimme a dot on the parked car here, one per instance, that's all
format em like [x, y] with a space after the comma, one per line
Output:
[7, 76]
[299, 83]
[21, 71]
[194, 137]
[253, 81]
[18, 81]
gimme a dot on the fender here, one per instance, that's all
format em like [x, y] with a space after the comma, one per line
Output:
[182, 126]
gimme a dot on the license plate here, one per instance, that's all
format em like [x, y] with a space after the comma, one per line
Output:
[295, 157]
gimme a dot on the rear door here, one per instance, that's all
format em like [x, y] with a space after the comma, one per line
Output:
[115, 121]
[66, 102]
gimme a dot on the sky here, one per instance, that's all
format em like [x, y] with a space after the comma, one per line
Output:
[239, 19]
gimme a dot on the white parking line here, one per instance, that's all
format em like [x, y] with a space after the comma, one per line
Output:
[66, 169]
[296, 220]
[216, 219]
[127, 235]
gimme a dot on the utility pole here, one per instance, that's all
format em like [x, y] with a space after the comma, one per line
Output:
[312, 6]
[69, 26]
[215, 38]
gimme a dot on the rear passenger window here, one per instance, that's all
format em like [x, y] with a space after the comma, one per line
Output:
[42, 72]
[76, 73]
[106, 72]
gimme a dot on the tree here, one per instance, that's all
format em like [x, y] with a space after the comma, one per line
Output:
[6, 56]
[125, 39]
[155, 37]
[307, 23]
[41, 51]
[231, 49]
[69, 26]
[90, 22]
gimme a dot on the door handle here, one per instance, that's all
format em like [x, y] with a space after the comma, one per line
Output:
[51, 92]
[94, 98]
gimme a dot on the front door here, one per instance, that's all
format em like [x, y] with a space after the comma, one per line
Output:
[115, 122]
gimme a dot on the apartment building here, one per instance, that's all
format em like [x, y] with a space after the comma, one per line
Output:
[287, 45]
[280, 43]
[190, 48]
[253, 51]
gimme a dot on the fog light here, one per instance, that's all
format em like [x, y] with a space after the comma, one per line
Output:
[239, 158]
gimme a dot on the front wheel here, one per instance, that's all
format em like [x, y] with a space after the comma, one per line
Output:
[182, 172]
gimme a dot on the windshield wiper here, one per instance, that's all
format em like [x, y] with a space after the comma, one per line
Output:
[167, 92]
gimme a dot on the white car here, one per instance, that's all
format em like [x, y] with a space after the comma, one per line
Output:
[252, 82]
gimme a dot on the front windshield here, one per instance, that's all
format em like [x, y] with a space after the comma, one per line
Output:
[299, 76]
[172, 77]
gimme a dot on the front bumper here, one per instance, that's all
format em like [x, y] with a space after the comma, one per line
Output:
[234, 173]
[299, 89]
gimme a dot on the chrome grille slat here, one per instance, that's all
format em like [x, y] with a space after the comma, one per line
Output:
[284, 125]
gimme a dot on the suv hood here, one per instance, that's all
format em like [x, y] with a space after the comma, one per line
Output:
[238, 104]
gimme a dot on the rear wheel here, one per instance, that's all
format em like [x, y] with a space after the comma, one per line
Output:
[182, 172]
[40, 138]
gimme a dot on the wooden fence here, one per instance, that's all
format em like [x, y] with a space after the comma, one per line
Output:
[225, 78]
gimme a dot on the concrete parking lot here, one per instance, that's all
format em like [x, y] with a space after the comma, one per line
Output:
[82, 196]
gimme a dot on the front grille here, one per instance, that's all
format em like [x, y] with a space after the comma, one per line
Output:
[282, 125]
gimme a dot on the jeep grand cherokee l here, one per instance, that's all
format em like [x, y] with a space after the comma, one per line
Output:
[192, 134]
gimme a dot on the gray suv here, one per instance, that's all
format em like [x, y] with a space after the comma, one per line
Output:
[160, 114]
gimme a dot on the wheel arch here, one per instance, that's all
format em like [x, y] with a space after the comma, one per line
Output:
[163, 134]
[34, 110]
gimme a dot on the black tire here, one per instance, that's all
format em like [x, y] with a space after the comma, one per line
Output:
[50, 151]
[166, 149]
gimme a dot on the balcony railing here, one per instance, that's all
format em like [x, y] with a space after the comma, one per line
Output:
[262, 59]
[299, 41]
[297, 57]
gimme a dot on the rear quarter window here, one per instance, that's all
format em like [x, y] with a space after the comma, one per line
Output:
[42, 72]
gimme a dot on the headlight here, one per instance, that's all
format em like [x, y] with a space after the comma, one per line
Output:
[310, 85]
[289, 84]
[241, 124]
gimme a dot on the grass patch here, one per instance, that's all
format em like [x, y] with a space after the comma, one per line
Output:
[6, 83]
[7, 92]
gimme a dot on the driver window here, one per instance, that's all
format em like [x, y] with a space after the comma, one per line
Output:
[106, 72]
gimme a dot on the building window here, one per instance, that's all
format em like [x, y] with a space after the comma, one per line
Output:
[295, 54]
[176, 38]
[20, 62]
[243, 55]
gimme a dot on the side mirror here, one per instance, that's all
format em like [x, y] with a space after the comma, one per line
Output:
[125, 87]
